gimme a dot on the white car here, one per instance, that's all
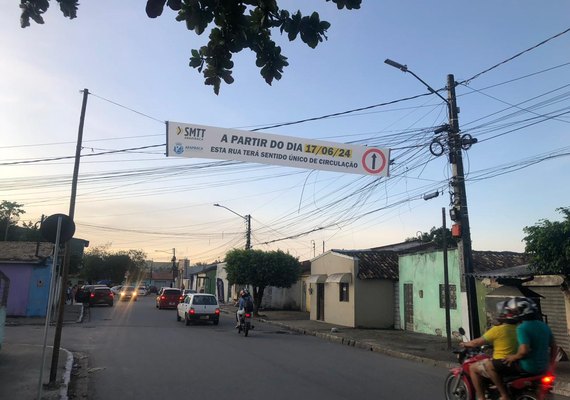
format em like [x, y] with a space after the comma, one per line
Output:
[198, 307]
[117, 290]
[142, 291]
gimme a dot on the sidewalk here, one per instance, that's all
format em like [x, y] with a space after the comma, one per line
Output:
[20, 364]
[427, 349]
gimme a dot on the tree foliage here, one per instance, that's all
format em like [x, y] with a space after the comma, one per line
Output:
[100, 264]
[548, 244]
[435, 235]
[10, 212]
[237, 25]
[261, 269]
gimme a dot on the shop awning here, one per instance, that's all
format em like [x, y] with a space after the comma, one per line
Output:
[317, 278]
[339, 278]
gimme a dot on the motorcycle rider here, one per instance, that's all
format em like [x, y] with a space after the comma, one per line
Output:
[502, 337]
[536, 345]
[244, 298]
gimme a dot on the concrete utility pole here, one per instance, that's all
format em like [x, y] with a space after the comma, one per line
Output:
[460, 212]
[67, 256]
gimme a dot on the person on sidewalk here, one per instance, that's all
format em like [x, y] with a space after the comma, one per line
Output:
[503, 338]
[244, 304]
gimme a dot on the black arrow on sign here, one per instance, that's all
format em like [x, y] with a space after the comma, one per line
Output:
[374, 156]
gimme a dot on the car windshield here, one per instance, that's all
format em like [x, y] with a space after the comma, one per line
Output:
[102, 290]
[128, 288]
[172, 292]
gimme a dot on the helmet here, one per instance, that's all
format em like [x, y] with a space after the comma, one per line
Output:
[506, 315]
[522, 307]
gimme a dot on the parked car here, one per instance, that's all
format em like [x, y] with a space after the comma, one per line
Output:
[168, 298]
[198, 307]
[128, 293]
[101, 295]
[83, 293]
[141, 291]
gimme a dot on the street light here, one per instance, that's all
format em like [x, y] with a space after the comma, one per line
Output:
[247, 219]
[459, 210]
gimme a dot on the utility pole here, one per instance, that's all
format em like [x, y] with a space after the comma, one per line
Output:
[67, 256]
[459, 212]
[248, 232]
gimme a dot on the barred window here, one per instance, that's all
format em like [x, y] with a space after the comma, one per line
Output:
[452, 296]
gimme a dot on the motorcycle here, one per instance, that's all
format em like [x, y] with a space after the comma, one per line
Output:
[245, 323]
[458, 384]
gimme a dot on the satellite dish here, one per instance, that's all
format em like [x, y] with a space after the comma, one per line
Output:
[48, 229]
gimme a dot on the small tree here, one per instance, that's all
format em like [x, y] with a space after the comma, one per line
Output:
[548, 244]
[261, 269]
[10, 212]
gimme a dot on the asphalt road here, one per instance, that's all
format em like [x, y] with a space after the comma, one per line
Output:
[139, 352]
[136, 351]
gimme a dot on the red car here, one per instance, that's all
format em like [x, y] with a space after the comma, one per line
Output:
[168, 298]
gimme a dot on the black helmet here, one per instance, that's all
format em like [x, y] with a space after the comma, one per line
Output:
[522, 308]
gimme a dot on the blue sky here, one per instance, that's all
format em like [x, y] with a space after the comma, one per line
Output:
[137, 71]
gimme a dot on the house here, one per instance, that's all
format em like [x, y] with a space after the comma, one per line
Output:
[422, 288]
[550, 292]
[354, 288]
[28, 267]
[202, 278]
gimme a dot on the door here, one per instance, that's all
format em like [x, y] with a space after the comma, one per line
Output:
[408, 306]
[320, 301]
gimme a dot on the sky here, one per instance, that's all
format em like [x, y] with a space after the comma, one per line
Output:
[513, 95]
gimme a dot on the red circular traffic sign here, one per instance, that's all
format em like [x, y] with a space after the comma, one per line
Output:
[369, 161]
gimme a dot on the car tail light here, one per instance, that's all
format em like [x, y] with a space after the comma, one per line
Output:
[92, 295]
[192, 311]
[247, 315]
[111, 294]
[547, 379]
[217, 311]
[162, 297]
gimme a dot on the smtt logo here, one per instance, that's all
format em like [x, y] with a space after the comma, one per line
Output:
[191, 133]
[178, 148]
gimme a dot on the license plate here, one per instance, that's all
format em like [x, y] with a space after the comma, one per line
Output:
[171, 303]
[204, 317]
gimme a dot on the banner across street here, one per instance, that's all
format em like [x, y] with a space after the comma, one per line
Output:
[200, 141]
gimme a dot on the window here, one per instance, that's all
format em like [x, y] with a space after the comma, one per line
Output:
[452, 297]
[343, 291]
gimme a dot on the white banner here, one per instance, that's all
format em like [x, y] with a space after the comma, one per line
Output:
[199, 141]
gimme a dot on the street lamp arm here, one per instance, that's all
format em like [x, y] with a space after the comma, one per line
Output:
[232, 211]
[404, 68]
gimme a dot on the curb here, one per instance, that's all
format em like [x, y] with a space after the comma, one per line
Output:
[64, 388]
